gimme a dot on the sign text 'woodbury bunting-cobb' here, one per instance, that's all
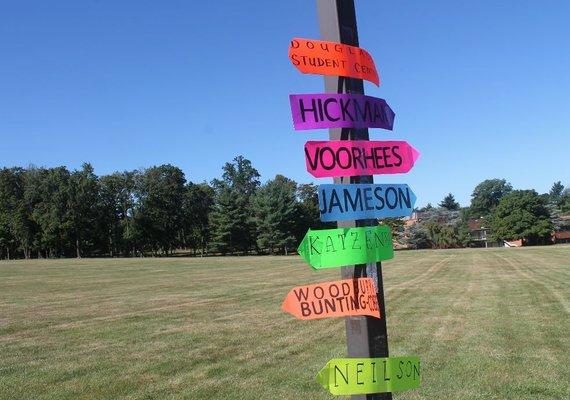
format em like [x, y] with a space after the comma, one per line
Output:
[344, 298]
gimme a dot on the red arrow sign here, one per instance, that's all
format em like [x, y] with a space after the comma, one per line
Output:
[331, 58]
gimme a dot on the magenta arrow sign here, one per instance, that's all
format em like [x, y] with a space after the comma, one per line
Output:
[353, 158]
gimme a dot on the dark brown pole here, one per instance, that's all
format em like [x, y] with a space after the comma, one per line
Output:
[365, 336]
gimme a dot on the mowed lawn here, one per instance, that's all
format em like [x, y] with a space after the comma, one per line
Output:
[487, 324]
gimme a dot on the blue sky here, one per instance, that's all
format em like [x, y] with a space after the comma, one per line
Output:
[481, 88]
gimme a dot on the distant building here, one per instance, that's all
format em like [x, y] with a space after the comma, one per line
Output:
[561, 237]
[480, 234]
[513, 243]
[561, 232]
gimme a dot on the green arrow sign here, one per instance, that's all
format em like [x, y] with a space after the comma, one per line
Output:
[327, 248]
[347, 376]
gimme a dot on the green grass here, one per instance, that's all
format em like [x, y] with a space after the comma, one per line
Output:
[487, 324]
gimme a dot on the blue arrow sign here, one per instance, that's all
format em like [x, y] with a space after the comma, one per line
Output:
[365, 201]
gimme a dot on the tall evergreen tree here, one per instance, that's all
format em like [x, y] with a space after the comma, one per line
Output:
[565, 206]
[449, 203]
[556, 194]
[233, 228]
[275, 212]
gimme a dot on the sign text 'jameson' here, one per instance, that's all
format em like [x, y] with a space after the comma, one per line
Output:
[365, 201]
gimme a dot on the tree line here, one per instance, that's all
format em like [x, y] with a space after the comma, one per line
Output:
[54, 212]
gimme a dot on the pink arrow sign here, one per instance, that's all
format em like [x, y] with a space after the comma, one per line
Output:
[353, 158]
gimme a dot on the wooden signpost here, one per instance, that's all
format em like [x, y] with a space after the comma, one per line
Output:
[359, 244]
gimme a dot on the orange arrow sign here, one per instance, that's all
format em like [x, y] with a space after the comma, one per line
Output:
[348, 297]
[331, 58]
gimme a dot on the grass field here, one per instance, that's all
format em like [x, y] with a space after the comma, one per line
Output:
[487, 324]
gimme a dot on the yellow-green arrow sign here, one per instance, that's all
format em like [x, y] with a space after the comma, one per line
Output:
[347, 376]
[327, 248]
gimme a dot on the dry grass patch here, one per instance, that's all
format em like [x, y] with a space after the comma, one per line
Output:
[486, 324]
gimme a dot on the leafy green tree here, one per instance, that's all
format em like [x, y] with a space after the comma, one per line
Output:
[10, 195]
[486, 196]
[117, 198]
[49, 191]
[197, 206]
[449, 203]
[233, 228]
[308, 214]
[158, 215]
[26, 230]
[521, 214]
[83, 213]
[275, 211]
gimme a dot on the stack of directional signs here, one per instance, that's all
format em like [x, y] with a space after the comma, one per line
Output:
[329, 248]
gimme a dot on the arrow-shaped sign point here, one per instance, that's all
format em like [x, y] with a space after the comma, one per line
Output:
[310, 249]
[303, 247]
[415, 154]
[323, 377]
[288, 305]
[413, 198]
